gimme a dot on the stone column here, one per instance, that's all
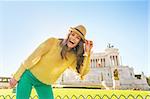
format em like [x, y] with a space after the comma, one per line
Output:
[115, 61]
[111, 60]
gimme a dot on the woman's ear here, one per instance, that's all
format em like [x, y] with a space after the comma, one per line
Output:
[64, 42]
[68, 35]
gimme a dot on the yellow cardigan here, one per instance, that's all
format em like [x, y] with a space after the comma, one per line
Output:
[47, 65]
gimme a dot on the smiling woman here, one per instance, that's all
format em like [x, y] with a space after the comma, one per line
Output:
[44, 66]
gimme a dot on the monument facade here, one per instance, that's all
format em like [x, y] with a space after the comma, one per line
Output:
[107, 72]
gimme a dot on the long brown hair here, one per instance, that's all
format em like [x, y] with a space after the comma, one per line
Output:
[78, 50]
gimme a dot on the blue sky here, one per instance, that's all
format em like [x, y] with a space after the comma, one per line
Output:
[24, 25]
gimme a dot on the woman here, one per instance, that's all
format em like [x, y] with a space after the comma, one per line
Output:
[44, 66]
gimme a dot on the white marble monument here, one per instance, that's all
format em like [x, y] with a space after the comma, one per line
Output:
[102, 70]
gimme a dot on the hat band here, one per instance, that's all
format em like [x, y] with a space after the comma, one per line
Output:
[79, 31]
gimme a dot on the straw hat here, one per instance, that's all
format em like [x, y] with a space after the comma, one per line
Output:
[80, 30]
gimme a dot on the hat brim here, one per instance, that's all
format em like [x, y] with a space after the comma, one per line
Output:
[74, 30]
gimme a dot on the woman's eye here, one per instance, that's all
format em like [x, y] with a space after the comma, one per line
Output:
[72, 34]
[78, 37]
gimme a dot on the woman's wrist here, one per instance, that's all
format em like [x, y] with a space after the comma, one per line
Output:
[86, 53]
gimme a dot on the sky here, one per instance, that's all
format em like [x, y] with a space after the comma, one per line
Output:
[26, 24]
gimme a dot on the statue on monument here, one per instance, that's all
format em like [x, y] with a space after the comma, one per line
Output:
[116, 82]
[110, 46]
[116, 74]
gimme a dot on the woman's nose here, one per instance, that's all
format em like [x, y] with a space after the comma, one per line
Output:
[74, 38]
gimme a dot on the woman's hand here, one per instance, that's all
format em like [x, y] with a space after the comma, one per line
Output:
[88, 46]
[13, 82]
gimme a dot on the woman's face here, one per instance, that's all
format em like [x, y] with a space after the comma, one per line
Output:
[73, 40]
